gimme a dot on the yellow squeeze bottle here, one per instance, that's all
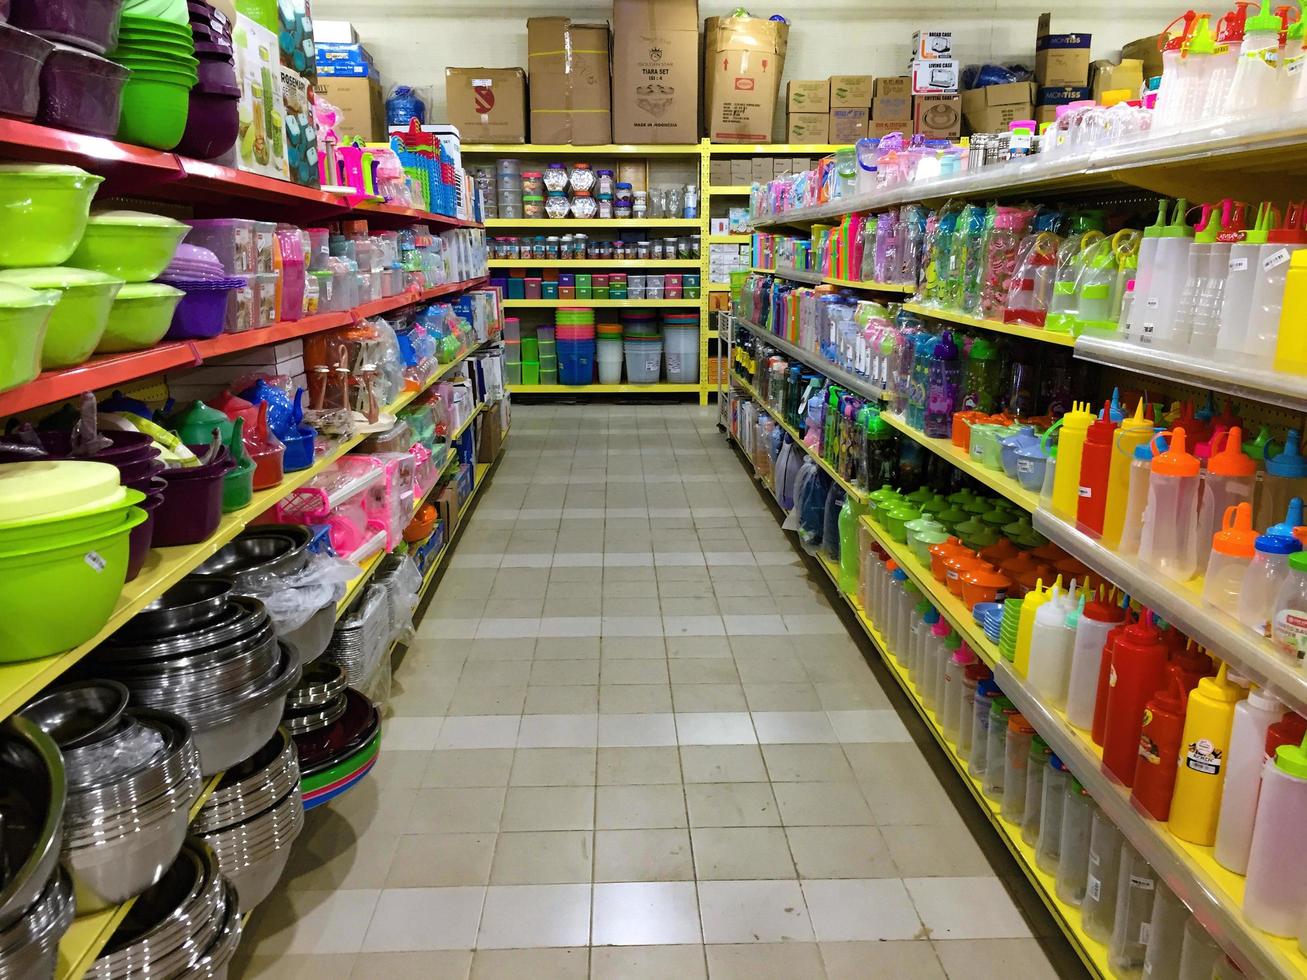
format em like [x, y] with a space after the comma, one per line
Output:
[1035, 598]
[1291, 342]
[1070, 450]
[1204, 752]
[1132, 432]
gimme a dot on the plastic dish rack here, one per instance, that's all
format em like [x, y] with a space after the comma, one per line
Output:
[349, 498]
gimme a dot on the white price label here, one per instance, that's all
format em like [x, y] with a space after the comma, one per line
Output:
[95, 561]
[1093, 888]
[1276, 258]
[1153, 303]
[1239, 265]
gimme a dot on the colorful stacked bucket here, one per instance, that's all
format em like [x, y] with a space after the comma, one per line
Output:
[512, 350]
[575, 333]
[643, 343]
[608, 353]
[681, 346]
[161, 56]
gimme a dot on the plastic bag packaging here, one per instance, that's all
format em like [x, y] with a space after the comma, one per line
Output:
[112, 758]
[812, 512]
[377, 686]
[403, 581]
[830, 532]
[807, 472]
[363, 637]
[291, 600]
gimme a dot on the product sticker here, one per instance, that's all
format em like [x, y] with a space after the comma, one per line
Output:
[1153, 303]
[1086, 491]
[93, 559]
[1239, 265]
[1276, 258]
[1143, 884]
[1289, 630]
[1093, 888]
[1202, 756]
[1145, 930]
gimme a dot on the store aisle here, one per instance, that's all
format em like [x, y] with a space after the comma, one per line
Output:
[634, 739]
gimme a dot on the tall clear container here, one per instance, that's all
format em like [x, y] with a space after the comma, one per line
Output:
[1000, 712]
[1020, 736]
[1135, 888]
[1048, 846]
[1166, 929]
[1073, 850]
[986, 691]
[1036, 771]
[1098, 910]
[1199, 953]
[1169, 540]
[967, 708]
[954, 681]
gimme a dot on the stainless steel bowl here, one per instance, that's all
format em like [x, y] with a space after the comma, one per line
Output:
[320, 684]
[253, 854]
[242, 616]
[194, 602]
[253, 786]
[29, 947]
[311, 639]
[202, 673]
[267, 550]
[227, 733]
[308, 720]
[111, 795]
[78, 714]
[33, 798]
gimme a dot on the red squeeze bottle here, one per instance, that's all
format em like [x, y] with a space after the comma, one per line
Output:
[1289, 730]
[1159, 750]
[1190, 665]
[1137, 671]
[1099, 730]
[1095, 461]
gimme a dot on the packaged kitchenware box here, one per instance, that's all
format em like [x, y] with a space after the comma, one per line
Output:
[655, 71]
[990, 109]
[568, 65]
[1060, 59]
[744, 58]
[488, 105]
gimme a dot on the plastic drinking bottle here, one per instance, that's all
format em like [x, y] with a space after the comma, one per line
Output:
[1256, 75]
[954, 681]
[1230, 479]
[1262, 580]
[1097, 620]
[1275, 893]
[1234, 829]
[1132, 432]
[1242, 271]
[1197, 263]
[1204, 751]
[1135, 673]
[982, 380]
[1289, 625]
[1020, 734]
[1165, 935]
[1169, 538]
[1159, 750]
[1095, 464]
[1155, 310]
[1286, 478]
[986, 692]
[1135, 887]
[1036, 769]
[971, 680]
[1233, 549]
[942, 387]
[1070, 448]
[1098, 910]
[1051, 645]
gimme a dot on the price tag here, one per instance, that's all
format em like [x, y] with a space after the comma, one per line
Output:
[1276, 258]
[93, 559]
[1239, 265]
[1153, 303]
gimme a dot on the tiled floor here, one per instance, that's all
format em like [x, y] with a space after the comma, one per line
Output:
[634, 739]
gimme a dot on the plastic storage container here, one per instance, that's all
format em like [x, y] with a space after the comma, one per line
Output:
[81, 91]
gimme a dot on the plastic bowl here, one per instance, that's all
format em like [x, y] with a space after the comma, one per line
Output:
[90, 24]
[24, 314]
[67, 530]
[81, 91]
[212, 125]
[21, 57]
[154, 113]
[131, 245]
[141, 315]
[191, 508]
[77, 323]
[201, 313]
[142, 536]
[43, 210]
[37, 618]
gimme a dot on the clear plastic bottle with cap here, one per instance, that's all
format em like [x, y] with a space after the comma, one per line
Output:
[1128, 325]
[1250, 335]
[928, 667]
[1197, 265]
[1225, 59]
[1155, 310]
[1255, 83]
[921, 634]
[1289, 622]
[1073, 850]
[1036, 770]
[1286, 478]
[942, 652]
[1170, 93]
[1020, 735]
[955, 672]
[1204, 758]
[1275, 892]
[1030, 604]
[1052, 643]
[1265, 575]
[1070, 448]
[1200, 320]
[986, 692]
[1169, 539]
[1135, 889]
[1048, 846]
[1199, 952]
[1234, 829]
[1096, 620]
[1240, 279]
[1098, 909]
[1233, 550]
[1001, 710]
[971, 679]
[1165, 935]
[1229, 479]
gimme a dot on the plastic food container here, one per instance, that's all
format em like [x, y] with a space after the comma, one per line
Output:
[23, 316]
[90, 24]
[78, 321]
[45, 208]
[141, 314]
[212, 122]
[202, 311]
[133, 245]
[154, 110]
[192, 504]
[21, 57]
[230, 239]
[81, 91]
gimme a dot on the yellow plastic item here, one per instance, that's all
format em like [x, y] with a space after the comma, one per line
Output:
[1132, 432]
[1070, 450]
[47, 488]
[1035, 598]
[1204, 751]
[1291, 344]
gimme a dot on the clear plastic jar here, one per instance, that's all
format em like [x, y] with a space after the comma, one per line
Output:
[533, 206]
[605, 208]
[553, 247]
[643, 250]
[639, 204]
[622, 201]
[605, 185]
[533, 183]
[1036, 769]
[690, 207]
[1073, 850]
[1020, 735]
[1098, 912]
[672, 202]
[557, 205]
[555, 178]
[579, 241]
[657, 206]
[583, 205]
[581, 178]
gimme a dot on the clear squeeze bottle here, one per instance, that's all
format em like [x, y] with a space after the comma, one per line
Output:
[1256, 75]
[1275, 894]
[1134, 431]
[1147, 259]
[1234, 830]
[1097, 619]
[1242, 271]
[1155, 310]
[1230, 479]
[1250, 334]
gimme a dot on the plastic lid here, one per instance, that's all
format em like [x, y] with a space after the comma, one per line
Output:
[1201, 40]
[1055, 763]
[15, 297]
[1261, 698]
[135, 218]
[1276, 544]
[1220, 687]
[58, 277]
[899, 575]
[1290, 463]
[986, 689]
[1298, 561]
[976, 672]
[963, 657]
[923, 607]
[1292, 519]
[1175, 461]
[46, 170]
[1176, 227]
[952, 641]
[1292, 759]
[36, 489]
[931, 616]
[1038, 744]
[1263, 20]
[1231, 460]
[1017, 725]
[1236, 537]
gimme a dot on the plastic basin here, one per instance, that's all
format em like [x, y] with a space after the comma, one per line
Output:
[142, 536]
[81, 91]
[212, 126]
[23, 317]
[191, 508]
[132, 246]
[201, 314]
[78, 320]
[54, 599]
[90, 24]
[43, 210]
[67, 530]
[154, 113]
[141, 315]
[21, 56]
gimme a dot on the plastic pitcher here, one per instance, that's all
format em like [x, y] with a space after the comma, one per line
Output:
[1276, 890]
[1098, 909]
[1233, 549]
[1169, 539]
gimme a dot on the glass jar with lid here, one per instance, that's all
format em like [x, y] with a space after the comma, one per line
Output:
[581, 178]
[622, 199]
[533, 206]
[604, 186]
[557, 205]
[583, 205]
[639, 204]
[555, 178]
[533, 182]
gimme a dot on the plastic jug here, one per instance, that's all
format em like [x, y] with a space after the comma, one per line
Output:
[1275, 893]
[971, 680]
[1097, 620]
[1073, 849]
[1165, 935]
[1199, 952]
[1205, 750]
[1070, 448]
[1036, 769]
[1256, 74]
[1095, 465]
[1135, 888]
[1242, 272]
[1048, 845]
[1233, 549]
[1286, 478]
[1155, 310]
[1051, 644]
[1169, 538]
[1159, 750]
[850, 512]
[1253, 717]
[1262, 580]
[1098, 909]
[1131, 433]
[1230, 479]
[1135, 671]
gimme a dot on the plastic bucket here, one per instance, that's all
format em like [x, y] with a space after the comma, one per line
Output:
[609, 357]
[643, 360]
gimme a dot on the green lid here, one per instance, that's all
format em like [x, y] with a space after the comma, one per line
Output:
[983, 350]
[1203, 41]
[910, 587]
[952, 641]
[46, 170]
[15, 297]
[1298, 561]
[1037, 744]
[1208, 226]
[135, 218]
[1267, 218]
[1000, 704]
[1263, 20]
[1155, 229]
[1295, 32]
[923, 606]
[1292, 759]
[58, 277]
[1177, 228]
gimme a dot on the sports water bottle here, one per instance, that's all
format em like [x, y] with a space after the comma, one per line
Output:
[942, 387]
[1169, 539]
[1155, 309]
[1255, 87]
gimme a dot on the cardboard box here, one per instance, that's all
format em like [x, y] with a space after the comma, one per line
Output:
[719, 173]
[887, 108]
[877, 129]
[334, 32]
[807, 96]
[990, 109]
[799, 165]
[344, 61]
[569, 96]
[301, 133]
[893, 85]
[937, 116]
[488, 105]
[447, 507]
[760, 170]
[1145, 49]
[492, 436]
[851, 91]
[806, 127]
[932, 44]
[1107, 77]
[1048, 99]
[744, 58]
[655, 71]
[1060, 59]
[741, 172]
[780, 166]
[939, 77]
[295, 36]
[361, 104]
[848, 125]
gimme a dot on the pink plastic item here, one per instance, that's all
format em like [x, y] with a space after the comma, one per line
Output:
[291, 245]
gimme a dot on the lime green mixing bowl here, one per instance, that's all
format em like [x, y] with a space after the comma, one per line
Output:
[141, 315]
[43, 211]
[132, 245]
[23, 316]
[77, 323]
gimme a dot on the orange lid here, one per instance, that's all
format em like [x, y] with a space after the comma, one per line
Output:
[1017, 725]
[1049, 552]
[1236, 536]
[1232, 460]
[986, 577]
[1175, 461]
[891, 565]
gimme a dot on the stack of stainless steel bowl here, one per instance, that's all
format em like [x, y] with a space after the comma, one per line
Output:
[36, 899]
[253, 817]
[132, 775]
[363, 636]
[319, 700]
[210, 656]
[257, 560]
[188, 925]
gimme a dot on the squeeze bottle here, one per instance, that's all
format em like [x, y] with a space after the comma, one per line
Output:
[1233, 549]
[1204, 754]
[1098, 910]
[1262, 580]
[1159, 750]
[1051, 644]
[1243, 269]
[1097, 619]
[1256, 74]
[1147, 258]
[1070, 449]
[1207, 257]
[1230, 479]
[1155, 311]
[1099, 730]
[1134, 675]
[1200, 60]
[1252, 340]
[1095, 463]
[1026, 625]
[1289, 626]
[1253, 717]
[1286, 478]
[1134, 431]
[1169, 539]
[1141, 472]
[1275, 893]
[1170, 94]
[1229, 36]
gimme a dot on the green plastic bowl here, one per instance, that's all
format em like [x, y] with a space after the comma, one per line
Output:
[24, 314]
[60, 531]
[165, 75]
[43, 210]
[78, 320]
[153, 113]
[140, 317]
[130, 46]
[54, 599]
[132, 245]
[165, 25]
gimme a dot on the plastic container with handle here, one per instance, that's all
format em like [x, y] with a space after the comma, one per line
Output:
[1233, 549]
[1263, 579]
[1229, 479]
[1286, 478]
[1169, 538]
[1275, 893]
[1155, 310]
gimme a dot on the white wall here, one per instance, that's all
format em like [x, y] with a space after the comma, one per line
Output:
[413, 41]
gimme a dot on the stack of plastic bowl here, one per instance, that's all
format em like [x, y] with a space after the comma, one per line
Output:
[155, 101]
[24, 314]
[65, 533]
[1007, 631]
[88, 25]
[681, 347]
[608, 353]
[643, 345]
[202, 312]
[78, 321]
[21, 56]
[575, 336]
[213, 123]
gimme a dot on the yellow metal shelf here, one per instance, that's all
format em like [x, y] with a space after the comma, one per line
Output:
[719, 287]
[614, 224]
[570, 152]
[812, 277]
[595, 263]
[777, 149]
[604, 303]
[730, 239]
[995, 326]
[654, 389]
[732, 190]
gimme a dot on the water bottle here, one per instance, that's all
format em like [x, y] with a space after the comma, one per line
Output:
[942, 387]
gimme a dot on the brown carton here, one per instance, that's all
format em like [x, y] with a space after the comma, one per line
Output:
[848, 125]
[899, 85]
[990, 109]
[1107, 77]
[744, 58]
[878, 128]
[807, 127]
[741, 172]
[937, 116]
[491, 436]
[799, 165]
[568, 65]
[1060, 59]
[760, 169]
[888, 108]
[361, 104]
[807, 96]
[655, 71]
[780, 166]
[488, 105]
[719, 173]
[1147, 50]
[850, 91]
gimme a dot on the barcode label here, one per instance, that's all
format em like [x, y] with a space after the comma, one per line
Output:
[1276, 258]
[96, 562]
[1239, 265]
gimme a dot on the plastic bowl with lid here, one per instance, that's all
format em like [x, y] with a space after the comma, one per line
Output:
[44, 209]
[141, 315]
[21, 56]
[134, 245]
[90, 24]
[79, 318]
[24, 314]
[81, 91]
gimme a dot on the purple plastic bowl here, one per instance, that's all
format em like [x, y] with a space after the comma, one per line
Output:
[4, 10]
[223, 462]
[201, 313]
[212, 125]
[142, 537]
[141, 472]
[21, 56]
[213, 48]
[89, 24]
[125, 447]
[81, 91]
[191, 509]
[220, 73]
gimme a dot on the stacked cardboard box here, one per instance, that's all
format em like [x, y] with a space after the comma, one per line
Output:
[488, 105]
[807, 111]
[891, 106]
[349, 80]
[744, 58]
[570, 85]
[936, 77]
[832, 110]
[655, 71]
[1061, 69]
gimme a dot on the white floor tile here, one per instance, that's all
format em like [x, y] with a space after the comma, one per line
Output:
[637, 730]
[693, 626]
[966, 908]
[409, 733]
[530, 916]
[570, 627]
[869, 725]
[715, 728]
[558, 731]
[760, 625]
[632, 626]
[782, 727]
[479, 732]
[655, 913]
[753, 912]
[851, 909]
[424, 918]
[322, 921]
